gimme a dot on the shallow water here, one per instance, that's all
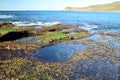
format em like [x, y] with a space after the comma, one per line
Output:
[67, 50]
[96, 70]
[59, 53]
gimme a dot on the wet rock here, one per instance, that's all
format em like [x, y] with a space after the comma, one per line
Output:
[13, 36]
[6, 24]
[46, 36]
[109, 34]
[58, 27]
[79, 30]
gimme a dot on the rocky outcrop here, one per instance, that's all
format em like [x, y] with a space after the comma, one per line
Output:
[13, 36]
[6, 24]
[45, 36]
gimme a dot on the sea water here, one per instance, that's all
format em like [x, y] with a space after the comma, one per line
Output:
[108, 22]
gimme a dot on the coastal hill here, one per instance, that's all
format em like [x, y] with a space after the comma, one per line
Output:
[111, 7]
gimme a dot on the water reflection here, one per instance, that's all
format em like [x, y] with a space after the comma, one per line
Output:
[59, 52]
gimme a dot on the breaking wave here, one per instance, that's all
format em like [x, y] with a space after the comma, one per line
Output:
[19, 23]
[88, 26]
[6, 16]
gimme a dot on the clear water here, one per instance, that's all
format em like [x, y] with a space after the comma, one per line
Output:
[59, 52]
[93, 21]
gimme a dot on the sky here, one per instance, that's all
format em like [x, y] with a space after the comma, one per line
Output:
[47, 4]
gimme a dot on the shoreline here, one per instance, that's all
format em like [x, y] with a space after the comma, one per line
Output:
[92, 11]
[25, 58]
[46, 36]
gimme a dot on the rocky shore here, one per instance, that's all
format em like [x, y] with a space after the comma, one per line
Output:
[18, 44]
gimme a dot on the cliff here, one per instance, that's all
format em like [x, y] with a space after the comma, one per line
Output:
[111, 7]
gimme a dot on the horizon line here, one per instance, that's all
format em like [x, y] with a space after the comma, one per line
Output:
[31, 10]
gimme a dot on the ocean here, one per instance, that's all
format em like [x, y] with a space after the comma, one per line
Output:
[108, 22]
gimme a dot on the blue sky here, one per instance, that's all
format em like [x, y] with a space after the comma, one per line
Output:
[47, 4]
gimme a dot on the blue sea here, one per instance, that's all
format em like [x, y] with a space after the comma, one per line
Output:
[107, 22]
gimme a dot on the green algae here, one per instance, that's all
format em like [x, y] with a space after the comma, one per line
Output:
[51, 37]
[5, 30]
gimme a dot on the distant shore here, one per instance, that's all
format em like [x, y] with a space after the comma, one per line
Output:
[111, 7]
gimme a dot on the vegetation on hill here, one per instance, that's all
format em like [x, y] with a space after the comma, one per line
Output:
[111, 7]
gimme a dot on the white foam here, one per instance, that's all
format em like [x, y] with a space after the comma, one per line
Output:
[88, 26]
[6, 16]
[50, 23]
[19, 23]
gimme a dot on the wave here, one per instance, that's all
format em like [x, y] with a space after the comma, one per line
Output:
[19, 23]
[6, 16]
[88, 26]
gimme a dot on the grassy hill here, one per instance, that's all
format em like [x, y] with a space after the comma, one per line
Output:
[111, 7]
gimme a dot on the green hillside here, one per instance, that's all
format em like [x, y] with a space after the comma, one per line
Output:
[111, 7]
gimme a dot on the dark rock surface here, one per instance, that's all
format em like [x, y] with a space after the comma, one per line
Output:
[6, 24]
